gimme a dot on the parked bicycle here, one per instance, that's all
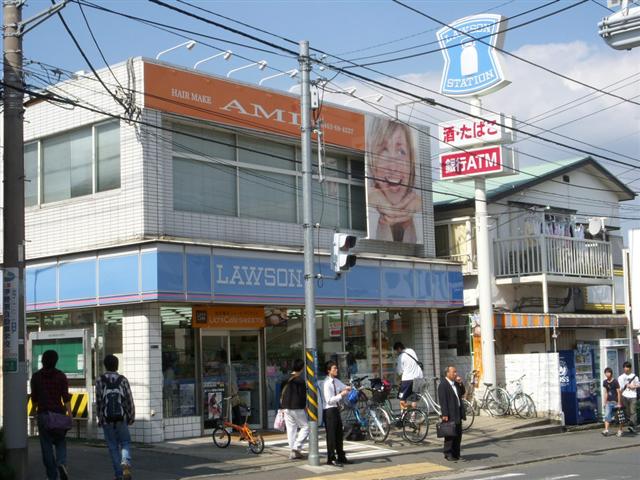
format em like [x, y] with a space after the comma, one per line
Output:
[222, 437]
[495, 399]
[422, 399]
[413, 421]
[360, 413]
[520, 403]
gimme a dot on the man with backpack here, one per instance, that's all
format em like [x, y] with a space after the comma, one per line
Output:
[116, 411]
[627, 398]
[409, 368]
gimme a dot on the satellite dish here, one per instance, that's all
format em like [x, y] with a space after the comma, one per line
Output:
[595, 226]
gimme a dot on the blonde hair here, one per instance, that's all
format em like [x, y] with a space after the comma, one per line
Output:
[380, 129]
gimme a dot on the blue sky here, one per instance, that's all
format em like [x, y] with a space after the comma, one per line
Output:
[567, 42]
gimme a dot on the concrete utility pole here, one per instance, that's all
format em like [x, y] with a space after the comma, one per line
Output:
[307, 221]
[14, 390]
[485, 301]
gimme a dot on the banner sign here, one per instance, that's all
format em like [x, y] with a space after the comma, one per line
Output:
[472, 162]
[472, 67]
[10, 332]
[467, 132]
[231, 103]
[228, 317]
[394, 199]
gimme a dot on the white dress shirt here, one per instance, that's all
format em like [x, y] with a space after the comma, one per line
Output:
[331, 392]
[455, 390]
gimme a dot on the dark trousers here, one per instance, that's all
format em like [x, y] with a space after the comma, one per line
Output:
[333, 428]
[49, 441]
[452, 444]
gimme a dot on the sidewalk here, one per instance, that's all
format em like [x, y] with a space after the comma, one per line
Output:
[200, 458]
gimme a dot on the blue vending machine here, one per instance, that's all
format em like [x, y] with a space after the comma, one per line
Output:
[578, 385]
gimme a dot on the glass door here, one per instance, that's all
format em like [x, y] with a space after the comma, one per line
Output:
[245, 365]
[231, 368]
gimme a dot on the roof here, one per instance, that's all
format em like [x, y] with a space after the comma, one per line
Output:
[451, 194]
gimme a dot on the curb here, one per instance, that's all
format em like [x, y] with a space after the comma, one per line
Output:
[543, 459]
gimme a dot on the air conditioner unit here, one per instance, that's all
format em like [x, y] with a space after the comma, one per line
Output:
[621, 30]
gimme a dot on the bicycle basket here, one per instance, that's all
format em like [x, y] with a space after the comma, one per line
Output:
[380, 390]
[352, 397]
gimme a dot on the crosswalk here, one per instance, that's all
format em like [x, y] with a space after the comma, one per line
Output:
[353, 450]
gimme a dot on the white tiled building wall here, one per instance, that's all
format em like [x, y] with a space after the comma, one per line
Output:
[425, 333]
[102, 219]
[142, 365]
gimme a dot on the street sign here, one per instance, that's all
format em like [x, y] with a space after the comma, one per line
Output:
[477, 161]
[467, 132]
[472, 67]
[10, 333]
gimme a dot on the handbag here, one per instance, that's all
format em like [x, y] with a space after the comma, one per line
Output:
[57, 422]
[445, 429]
[278, 423]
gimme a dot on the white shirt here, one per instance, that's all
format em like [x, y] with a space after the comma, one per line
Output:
[407, 366]
[624, 379]
[331, 392]
[455, 390]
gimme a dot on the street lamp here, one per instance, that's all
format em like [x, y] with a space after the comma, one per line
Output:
[292, 74]
[189, 44]
[376, 98]
[226, 55]
[621, 30]
[261, 65]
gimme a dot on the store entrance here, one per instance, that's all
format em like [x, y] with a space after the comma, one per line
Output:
[231, 367]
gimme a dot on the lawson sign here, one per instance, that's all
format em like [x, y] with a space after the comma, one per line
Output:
[472, 66]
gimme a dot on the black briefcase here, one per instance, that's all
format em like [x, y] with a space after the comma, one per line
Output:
[446, 429]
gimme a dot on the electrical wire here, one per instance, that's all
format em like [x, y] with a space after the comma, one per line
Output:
[417, 97]
[510, 54]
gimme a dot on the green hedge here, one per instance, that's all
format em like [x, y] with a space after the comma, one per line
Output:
[6, 472]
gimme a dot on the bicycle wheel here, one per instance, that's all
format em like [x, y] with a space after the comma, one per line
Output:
[469, 413]
[256, 444]
[221, 437]
[497, 402]
[349, 421]
[415, 425]
[378, 424]
[524, 406]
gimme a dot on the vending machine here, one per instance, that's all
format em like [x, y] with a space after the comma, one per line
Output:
[578, 385]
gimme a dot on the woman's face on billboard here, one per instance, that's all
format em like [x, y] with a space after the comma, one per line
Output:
[392, 168]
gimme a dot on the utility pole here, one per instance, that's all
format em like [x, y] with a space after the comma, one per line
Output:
[14, 377]
[311, 358]
[485, 300]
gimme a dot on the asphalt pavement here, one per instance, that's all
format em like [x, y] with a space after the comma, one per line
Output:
[491, 448]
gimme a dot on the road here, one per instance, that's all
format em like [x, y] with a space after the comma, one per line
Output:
[622, 464]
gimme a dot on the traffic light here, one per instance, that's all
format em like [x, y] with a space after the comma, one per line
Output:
[341, 259]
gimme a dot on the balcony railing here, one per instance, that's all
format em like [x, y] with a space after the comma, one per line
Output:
[553, 255]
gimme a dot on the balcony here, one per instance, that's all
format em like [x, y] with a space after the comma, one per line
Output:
[555, 259]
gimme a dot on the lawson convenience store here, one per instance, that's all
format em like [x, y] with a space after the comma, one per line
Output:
[138, 303]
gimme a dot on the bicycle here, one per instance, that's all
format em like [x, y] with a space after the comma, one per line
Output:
[495, 400]
[430, 405]
[367, 417]
[413, 421]
[222, 437]
[519, 402]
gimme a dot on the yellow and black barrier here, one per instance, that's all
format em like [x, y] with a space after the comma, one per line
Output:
[311, 360]
[79, 406]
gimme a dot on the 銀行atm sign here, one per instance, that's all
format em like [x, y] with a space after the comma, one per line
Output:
[475, 161]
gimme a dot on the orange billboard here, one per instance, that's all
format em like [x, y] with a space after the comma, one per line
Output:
[222, 101]
[228, 317]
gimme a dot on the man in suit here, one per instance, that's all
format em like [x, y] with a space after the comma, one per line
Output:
[450, 399]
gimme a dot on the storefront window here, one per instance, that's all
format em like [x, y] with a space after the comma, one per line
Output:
[178, 362]
[395, 326]
[329, 338]
[285, 342]
[360, 334]
[33, 323]
[109, 330]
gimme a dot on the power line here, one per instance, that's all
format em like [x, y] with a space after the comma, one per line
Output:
[513, 55]
[417, 97]
[440, 49]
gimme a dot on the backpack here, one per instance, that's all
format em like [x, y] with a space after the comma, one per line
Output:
[112, 397]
